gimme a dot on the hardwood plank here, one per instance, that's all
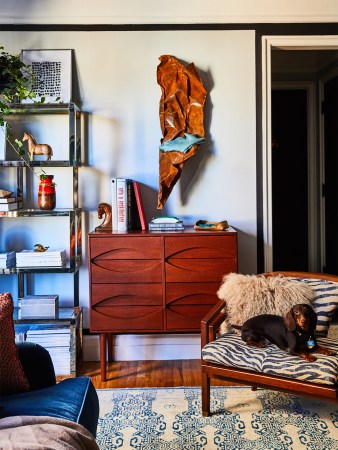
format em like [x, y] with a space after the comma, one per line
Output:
[140, 374]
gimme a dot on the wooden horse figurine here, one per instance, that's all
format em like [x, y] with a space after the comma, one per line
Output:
[37, 149]
[104, 209]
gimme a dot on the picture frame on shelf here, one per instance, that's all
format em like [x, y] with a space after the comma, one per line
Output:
[52, 70]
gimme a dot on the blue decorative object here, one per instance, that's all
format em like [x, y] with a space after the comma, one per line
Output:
[182, 144]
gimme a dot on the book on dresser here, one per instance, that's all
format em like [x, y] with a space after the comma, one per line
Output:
[166, 223]
[127, 206]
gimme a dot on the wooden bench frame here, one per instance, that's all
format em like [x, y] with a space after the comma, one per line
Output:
[209, 329]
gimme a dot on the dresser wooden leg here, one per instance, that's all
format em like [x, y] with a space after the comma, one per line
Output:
[103, 364]
[110, 338]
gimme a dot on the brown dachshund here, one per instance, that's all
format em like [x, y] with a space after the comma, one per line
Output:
[295, 333]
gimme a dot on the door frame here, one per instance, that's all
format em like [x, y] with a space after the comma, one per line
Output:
[285, 43]
[327, 77]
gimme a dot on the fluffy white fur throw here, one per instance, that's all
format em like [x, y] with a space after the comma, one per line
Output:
[247, 296]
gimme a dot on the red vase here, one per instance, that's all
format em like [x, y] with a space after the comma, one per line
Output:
[46, 192]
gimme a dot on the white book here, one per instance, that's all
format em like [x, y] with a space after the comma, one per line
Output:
[7, 199]
[7, 255]
[114, 203]
[165, 219]
[9, 206]
[48, 253]
[122, 208]
[40, 263]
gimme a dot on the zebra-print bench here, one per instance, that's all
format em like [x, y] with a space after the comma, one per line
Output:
[228, 357]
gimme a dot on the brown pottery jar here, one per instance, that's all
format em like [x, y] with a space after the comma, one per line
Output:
[46, 192]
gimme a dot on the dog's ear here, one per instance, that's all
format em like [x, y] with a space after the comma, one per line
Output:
[289, 321]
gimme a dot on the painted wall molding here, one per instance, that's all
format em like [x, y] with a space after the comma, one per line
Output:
[153, 12]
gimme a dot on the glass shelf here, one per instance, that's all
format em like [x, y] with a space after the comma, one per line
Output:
[74, 131]
[69, 267]
[67, 315]
[63, 163]
[44, 108]
[60, 212]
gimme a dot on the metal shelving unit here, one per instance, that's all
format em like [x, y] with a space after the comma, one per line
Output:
[71, 316]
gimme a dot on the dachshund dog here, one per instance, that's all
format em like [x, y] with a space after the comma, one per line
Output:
[294, 333]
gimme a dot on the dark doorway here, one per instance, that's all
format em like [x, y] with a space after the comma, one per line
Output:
[330, 191]
[289, 179]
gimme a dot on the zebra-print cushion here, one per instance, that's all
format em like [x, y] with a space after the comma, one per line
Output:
[325, 302]
[230, 350]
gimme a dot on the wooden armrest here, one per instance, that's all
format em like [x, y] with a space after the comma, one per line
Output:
[315, 275]
[211, 322]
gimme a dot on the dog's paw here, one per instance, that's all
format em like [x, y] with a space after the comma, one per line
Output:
[309, 358]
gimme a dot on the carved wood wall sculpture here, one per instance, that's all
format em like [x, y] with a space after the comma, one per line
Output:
[181, 118]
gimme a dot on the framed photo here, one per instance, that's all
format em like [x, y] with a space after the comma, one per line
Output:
[52, 71]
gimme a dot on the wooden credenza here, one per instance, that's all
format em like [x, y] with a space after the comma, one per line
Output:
[146, 282]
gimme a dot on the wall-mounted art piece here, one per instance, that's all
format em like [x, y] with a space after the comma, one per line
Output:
[52, 70]
[181, 118]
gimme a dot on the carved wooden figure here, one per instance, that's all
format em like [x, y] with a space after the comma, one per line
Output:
[37, 149]
[104, 211]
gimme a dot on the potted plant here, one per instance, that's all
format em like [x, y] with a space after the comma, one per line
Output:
[15, 82]
[16, 79]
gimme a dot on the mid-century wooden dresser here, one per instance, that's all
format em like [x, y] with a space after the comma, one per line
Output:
[149, 282]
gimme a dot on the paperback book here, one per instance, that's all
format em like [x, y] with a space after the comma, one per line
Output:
[127, 207]
[7, 260]
[163, 223]
[7, 199]
[56, 339]
[52, 258]
[10, 206]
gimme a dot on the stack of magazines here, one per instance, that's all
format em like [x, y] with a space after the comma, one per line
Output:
[7, 259]
[49, 258]
[56, 339]
[166, 223]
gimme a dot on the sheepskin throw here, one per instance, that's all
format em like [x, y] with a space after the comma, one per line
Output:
[246, 296]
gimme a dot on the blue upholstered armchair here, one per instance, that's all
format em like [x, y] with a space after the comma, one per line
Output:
[73, 399]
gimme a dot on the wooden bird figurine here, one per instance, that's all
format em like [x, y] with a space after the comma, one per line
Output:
[40, 248]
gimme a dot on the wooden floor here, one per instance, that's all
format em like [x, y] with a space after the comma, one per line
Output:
[131, 374]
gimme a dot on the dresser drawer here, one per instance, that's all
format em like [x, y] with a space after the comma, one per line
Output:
[125, 248]
[125, 319]
[184, 294]
[107, 295]
[186, 318]
[201, 247]
[195, 270]
[125, 271]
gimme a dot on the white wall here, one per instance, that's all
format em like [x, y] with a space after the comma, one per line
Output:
[117, 75]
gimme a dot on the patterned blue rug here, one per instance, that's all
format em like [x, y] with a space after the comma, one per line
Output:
[170, 419]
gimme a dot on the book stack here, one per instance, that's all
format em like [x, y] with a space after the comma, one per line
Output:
[38, 306]
[49, 258]
[21, 332]
[166, 223]
[9, 204]
[7, 260]
[56, 339]
[127, 207]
